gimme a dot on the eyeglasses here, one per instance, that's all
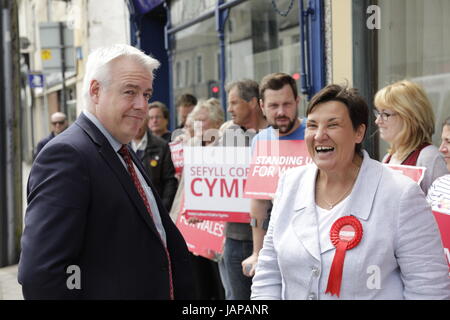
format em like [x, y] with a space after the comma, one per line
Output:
[58, 122]
[155, 118]
[384, 115]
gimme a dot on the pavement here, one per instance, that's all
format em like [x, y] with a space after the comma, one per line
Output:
[10, 289]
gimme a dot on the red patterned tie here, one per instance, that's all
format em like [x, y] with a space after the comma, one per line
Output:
[127, 158]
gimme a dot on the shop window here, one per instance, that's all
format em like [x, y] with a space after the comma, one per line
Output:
[178, 74]
[218, 65]
[186, 73]
[413, 43]
[183, 11]
[199, 69]
[258, 41]
[262, 41]
[195, 50]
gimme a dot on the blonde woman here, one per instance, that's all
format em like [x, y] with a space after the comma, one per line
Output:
[405, 120]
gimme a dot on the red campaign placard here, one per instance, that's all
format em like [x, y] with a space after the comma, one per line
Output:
[443, 221]
[415, 173]
[214, 182]
[205, 238]
[176, 149]
[270, 159]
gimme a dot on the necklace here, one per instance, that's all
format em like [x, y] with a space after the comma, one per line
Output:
[331, 205]
[347, 191]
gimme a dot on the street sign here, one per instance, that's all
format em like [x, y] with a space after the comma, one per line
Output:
[50, 35]
[54, 37]
[36, 80]
[51, 60]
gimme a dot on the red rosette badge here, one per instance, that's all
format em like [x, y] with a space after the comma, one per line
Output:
[345, 234]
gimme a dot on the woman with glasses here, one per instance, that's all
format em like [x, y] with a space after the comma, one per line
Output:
[405, 120]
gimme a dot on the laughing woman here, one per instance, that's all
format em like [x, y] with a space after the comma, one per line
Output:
[405, 120]
[346, 226]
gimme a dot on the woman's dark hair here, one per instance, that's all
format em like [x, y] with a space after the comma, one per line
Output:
[356, 106]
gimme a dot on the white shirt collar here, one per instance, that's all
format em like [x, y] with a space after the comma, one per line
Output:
[141, 145]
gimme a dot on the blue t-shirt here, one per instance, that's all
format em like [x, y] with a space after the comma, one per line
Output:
[269, 134]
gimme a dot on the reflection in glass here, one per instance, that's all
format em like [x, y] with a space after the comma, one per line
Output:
[413, 43]
[195, 46]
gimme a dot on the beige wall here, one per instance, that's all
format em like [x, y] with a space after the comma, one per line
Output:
[342, 56]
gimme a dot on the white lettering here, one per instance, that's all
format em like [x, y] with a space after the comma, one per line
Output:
[199, 310]
[73, 281]
[283, 160]
[374, 21]
[374, 280]
[246, 309]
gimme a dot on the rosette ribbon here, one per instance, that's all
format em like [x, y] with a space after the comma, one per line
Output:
[345, 234]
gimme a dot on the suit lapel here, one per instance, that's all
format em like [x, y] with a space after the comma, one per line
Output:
[164, 215]
[305, 220]
[112, 160]
[360, 203]
[363, 194]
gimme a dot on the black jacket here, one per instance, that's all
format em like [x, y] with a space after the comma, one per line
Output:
[158, 164]
[42, 143]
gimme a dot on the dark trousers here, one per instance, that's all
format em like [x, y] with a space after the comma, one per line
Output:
[208, 285]
[237, 285]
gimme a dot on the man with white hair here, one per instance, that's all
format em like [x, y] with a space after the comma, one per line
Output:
[95, 227]
[59, 124]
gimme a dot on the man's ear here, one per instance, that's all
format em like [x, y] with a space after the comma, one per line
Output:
[261, 105]
[94, 91]
[254, 104]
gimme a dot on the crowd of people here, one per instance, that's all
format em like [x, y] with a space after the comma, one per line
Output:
[103, 194]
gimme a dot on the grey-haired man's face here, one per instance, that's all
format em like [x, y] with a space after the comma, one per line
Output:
[239, 109]
[59, 123]
[122, 106]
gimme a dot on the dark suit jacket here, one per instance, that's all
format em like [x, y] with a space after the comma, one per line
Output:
[158, 164]
[167, 136]
[84, 210]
